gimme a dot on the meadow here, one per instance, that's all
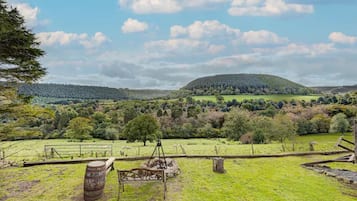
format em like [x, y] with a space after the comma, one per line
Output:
[245, 179]
[33, 150]
[275, 98]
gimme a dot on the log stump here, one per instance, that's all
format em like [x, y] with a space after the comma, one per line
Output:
[218, 165]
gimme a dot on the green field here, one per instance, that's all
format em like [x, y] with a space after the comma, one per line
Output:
[245, 179]
[33, 150]
[275, 98]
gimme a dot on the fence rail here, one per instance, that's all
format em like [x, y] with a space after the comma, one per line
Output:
[62, 151]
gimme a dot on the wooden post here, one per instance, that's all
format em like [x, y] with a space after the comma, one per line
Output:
[355, 131]
[218, 165]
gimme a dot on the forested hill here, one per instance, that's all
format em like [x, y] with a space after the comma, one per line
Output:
[72, 91]
[245, 83]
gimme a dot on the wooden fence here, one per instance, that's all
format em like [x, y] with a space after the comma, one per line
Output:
[78, 150]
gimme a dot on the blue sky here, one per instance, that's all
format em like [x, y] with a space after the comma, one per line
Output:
[164, 44]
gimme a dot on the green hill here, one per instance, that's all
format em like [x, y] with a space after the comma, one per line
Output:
[245, 84]
[72, 91]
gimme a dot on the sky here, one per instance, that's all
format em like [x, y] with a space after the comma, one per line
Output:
[164, 44]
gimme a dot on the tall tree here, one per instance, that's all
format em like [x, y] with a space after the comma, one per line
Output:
[143, 128]
[339, 123]
[236, 124]
[19, 49]
[79, 128]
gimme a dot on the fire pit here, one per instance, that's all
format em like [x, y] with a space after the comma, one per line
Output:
[171, 169]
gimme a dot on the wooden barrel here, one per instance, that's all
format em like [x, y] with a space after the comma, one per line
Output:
[94, 180]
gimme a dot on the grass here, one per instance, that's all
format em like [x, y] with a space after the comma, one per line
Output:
[32, 150]
[275, 98]
[245, 180]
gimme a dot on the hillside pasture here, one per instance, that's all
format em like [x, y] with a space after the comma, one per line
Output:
[274, 97]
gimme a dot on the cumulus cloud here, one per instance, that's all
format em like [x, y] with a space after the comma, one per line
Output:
[133, 25]
[63, 38]
[29, 13]
[267, 8]
[262, 37]
[338, 37]
[213, 30]
[298, 49]
[204, 29]
[165, 6]
[183, 47]
[151, 6]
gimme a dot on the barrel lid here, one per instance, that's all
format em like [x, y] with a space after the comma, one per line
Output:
[96, 164]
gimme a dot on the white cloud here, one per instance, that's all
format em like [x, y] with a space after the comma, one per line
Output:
[29, 13]
[63, 38]
[262, 37]
[298, 49]
[267, 8]
[98, 39]
[338, 37]
[183, 47]
[165, 6]
[132, 25]
[213, 30]
[204, 29]
[151, 6]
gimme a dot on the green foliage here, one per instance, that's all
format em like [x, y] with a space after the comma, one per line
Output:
[236, 124]
[19, 49]
[244, 83]
[339, 123]
[176, 112]
[283, 128]
[142, 128]
[262, 128]
[79, 128]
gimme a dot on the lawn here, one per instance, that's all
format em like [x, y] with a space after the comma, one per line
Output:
[245, 180]
[33, 150]
[275, 98]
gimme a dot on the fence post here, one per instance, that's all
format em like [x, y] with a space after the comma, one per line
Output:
[355, 132]
[80, 150]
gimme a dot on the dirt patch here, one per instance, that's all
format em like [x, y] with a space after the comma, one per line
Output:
[19, 188]
[343, 175]
[79, 196]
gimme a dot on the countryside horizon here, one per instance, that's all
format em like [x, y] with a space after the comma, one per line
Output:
[142, 44]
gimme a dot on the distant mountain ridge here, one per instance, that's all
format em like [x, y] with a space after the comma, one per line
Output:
[245, 83]
[72, 91]
[63, 91]
[335, 89]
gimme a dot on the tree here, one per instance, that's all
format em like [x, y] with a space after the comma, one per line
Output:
[18, 48]
[236, 124]
[262, 127]
[79, 128]
[142, 128]
[339, 123]
[283, 129]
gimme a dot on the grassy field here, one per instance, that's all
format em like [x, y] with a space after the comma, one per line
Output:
[275, 98]
[33, 150]
[244, 180]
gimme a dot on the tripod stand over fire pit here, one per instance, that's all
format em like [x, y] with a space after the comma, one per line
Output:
[159, 161]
